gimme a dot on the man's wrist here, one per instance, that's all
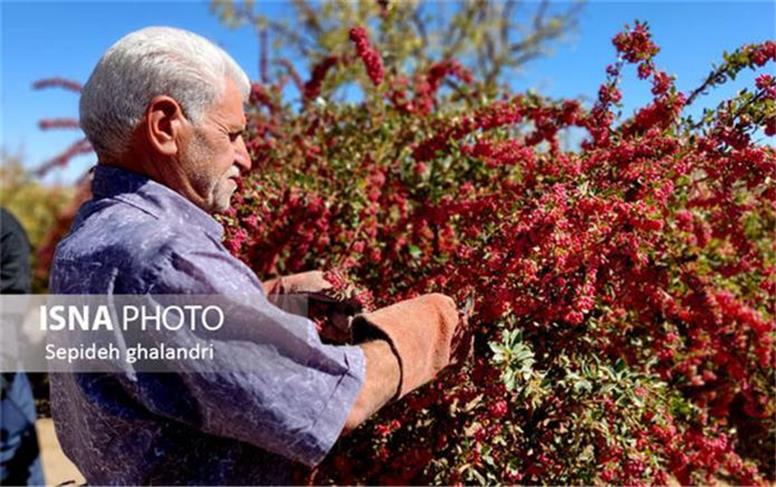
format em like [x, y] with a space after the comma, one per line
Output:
[272, 286]
[363, 331]
[381, 382]
[395, 368]
[383, 353]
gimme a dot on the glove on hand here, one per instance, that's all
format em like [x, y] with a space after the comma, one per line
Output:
[420, 331]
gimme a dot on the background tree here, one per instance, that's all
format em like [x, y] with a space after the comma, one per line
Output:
[492, 39]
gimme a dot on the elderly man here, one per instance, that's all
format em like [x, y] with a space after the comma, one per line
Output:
[163, 109]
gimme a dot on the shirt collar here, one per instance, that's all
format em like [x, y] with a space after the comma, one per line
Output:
[151, 197]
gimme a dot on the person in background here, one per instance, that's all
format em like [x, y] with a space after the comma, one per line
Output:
[19, 454]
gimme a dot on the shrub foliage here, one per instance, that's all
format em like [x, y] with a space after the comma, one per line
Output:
[621, 268]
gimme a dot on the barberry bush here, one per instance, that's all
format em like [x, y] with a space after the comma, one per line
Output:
[621, 268]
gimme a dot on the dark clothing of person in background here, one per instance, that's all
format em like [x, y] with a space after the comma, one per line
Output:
[19, 454]
[15, 276]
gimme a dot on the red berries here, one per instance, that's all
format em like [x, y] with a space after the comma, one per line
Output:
[369, 55]
[313, 86]
[635, 44]
[498, 409]
[641, 253]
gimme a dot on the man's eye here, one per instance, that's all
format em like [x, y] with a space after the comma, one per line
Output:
[235, 135]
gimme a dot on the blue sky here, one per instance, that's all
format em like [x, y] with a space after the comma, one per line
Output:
[45, 39]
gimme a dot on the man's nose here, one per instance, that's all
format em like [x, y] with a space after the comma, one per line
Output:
[242, 159]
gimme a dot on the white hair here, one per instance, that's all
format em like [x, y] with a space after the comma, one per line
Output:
[147, 63]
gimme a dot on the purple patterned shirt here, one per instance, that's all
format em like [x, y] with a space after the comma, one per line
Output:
[137, 236]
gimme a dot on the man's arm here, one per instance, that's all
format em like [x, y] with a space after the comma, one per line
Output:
[383, 372]
[271, 382]
[380, 383]
[404, 346]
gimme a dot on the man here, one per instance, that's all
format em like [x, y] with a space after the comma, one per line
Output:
[164, 112]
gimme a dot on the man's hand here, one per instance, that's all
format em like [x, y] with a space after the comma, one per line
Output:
[311, 282]
[334, 313]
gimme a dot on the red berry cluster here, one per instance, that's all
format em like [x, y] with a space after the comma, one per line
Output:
[369, 55]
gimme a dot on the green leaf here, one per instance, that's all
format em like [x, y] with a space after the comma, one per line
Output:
[583, 386]
[619, 365]
[415, 251]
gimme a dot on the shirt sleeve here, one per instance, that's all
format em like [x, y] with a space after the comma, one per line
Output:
[271, 383]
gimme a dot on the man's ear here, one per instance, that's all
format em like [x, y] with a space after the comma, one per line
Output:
[165, 124]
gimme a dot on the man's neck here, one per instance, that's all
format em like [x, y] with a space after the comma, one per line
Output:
[162, 171]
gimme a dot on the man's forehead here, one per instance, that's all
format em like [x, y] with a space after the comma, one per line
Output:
[231, 106]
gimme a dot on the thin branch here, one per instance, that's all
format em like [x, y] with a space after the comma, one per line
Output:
[417, 21]
[539, 16]
[509, 6]
[263, 55]
[57, 83]
[293, 73]
[716, 76]
[79, 147]
[305, 46]
[462, 28]
[58, 123]
[310, 16]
